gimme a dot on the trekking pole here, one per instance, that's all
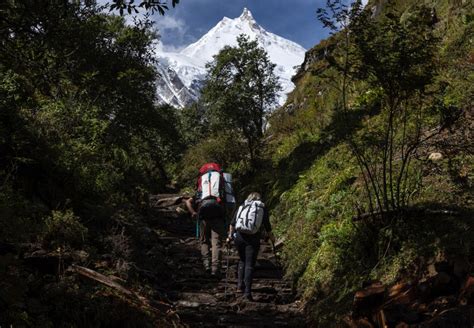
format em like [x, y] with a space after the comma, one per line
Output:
[274, 252]
[227, 271]
[197, 228]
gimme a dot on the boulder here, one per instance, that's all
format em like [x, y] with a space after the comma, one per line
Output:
[434, 157]
[368, 299]
[466, 296]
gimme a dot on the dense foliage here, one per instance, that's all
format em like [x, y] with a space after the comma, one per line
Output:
[383, 91]
[79, 123]
[81, 138]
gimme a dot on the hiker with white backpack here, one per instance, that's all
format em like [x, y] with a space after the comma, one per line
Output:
[246, 231]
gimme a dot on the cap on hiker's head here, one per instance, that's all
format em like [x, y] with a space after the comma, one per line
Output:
[254, 196]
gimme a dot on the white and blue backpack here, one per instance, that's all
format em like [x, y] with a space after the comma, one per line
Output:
[249, 217]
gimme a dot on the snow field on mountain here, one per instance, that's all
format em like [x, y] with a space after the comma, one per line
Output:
[187, 67]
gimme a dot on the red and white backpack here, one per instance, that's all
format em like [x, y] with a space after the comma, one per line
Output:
[211, 183]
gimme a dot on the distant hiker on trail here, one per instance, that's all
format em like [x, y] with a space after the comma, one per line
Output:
[246, 231]
[208, 206]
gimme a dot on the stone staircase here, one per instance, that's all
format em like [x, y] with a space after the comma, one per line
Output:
[204, 301]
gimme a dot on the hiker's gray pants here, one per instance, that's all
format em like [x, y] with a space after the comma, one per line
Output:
[211, 237]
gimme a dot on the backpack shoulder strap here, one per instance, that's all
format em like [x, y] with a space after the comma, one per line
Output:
[242, 208]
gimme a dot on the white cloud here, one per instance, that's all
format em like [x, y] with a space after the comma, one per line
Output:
[168, 22]
[171, 25]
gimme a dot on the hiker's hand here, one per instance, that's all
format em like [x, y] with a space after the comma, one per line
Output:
[194, 215]
[228, 240]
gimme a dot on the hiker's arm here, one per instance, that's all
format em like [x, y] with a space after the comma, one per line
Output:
[190, 207]
[267, 225]
[230, 236]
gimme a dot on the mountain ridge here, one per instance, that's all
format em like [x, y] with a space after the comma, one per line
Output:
[188, 67]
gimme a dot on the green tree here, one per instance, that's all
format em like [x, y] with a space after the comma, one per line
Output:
[149, 5]
[239, 92]
[78, 122]
[394, 59]
[398, 58]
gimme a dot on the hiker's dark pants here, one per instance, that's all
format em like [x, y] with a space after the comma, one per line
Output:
[247, 246]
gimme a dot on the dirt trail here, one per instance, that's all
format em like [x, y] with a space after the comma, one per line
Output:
[204, 301]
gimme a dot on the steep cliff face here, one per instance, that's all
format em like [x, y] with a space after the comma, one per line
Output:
[171, 89]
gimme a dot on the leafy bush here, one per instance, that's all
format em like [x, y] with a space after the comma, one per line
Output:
[63, 228]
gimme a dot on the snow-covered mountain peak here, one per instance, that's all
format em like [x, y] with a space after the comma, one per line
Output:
[226, 32]
[246, 19]
[246, 16]
[189, 64]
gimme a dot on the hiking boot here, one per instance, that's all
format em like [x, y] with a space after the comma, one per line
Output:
[240, 288]
[248, 297]
[216, 274]
[207, 265]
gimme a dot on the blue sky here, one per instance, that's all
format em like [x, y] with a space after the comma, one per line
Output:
[292, 19]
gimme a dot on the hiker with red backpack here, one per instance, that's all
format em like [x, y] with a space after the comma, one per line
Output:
[208, 206]
[246, 231]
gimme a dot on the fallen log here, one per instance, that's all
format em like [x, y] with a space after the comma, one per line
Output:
[110, 282]
[158, 307]
[103, 279]
[368, 300]
[162, 196]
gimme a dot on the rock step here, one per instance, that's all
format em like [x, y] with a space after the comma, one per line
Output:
[250, 315]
